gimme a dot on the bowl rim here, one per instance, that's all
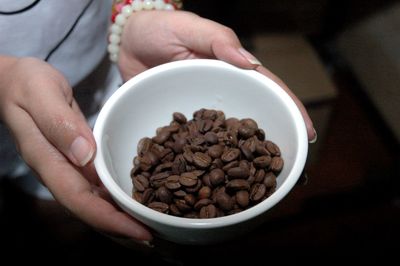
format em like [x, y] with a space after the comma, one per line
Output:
[143, 212]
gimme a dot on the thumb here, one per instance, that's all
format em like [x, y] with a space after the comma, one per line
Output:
[60, 120]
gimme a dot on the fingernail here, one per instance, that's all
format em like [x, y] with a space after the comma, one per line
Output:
[249, 56]
[315, 137]
[81, 150]
[147, 243]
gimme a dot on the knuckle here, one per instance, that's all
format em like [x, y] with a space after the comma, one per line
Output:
[58, 126]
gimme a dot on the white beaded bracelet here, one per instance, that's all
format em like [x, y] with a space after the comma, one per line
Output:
[122, 11]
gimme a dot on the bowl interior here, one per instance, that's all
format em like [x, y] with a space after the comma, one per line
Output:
[147, 102]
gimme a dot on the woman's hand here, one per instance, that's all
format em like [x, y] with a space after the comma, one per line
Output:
[155, 37]
[52, 135]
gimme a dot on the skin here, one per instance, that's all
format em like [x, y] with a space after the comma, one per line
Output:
[52, 135]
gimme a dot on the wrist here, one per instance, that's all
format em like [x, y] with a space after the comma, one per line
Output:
[123, 9]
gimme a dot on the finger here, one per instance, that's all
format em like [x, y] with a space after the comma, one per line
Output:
[67, 184]
[312, 134]
[58, 117]
[216, 40]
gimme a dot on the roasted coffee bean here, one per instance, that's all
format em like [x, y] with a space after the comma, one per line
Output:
[224, 201]
[159, 179]
[201, 203]
[211, 138]
[259, 176]
[182, 205]
[179, 165]
[173, 127]
[257, 192]
[234, 211]
[163, 167]
[260, 134]
[270, 180]
[261, 149]
[172, 182]
[173, 209]
[238, 172]
[159, 206]
[216, 191]
[209, 114]
[140, 183]
[198, 172]
[217, 177]
[192, 215]
[273, 148]
[144, 163]
[201, 160]
[276, 164]
[196, 142]
[164, 195]
[178, 145]
[206, 180]
[251, 179]
[230, 165]
[179, 117]
[232, 123]
[208, 211]
[188, 179]
[217, 163]
[162, 136]
[135, 169]
[180, 193]
[230, 155]
[204, 192]
[197, 148]
[195, 188]
[242, 198]
[207, 125]
[262, 161]
[138, 196]
[207, 167]
[250, 123]
[215, 151]
[238, 184]
[193, 128]
[144, 146]
[169, 144]
[150, 157]
[188, 155]
[190, 199]
[246, 132]
[251, 143]
[247, 152]
[168, 156]
[230, 138]
[148, 195]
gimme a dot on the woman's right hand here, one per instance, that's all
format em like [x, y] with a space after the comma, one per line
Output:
[53, 137]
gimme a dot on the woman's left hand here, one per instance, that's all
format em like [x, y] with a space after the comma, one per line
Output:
[151, 38]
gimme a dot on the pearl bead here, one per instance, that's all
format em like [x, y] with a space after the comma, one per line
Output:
[126, 10]
[113, 48]
[169, 7]
[116, 29]
[159, 4]
[114, 57]
[114, 38]
[120, 20]
[137, 5]
[148, 4]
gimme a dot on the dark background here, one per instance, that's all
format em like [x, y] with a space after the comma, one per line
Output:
[348, 211]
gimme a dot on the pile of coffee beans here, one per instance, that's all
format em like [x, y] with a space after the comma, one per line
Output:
[207, 167]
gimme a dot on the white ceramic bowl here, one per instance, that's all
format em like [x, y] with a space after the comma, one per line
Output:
[147, 102]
